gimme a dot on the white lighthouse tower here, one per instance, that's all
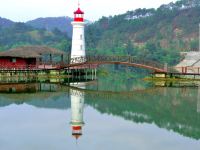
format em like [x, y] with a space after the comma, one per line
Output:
[78, 38]
[77, 106]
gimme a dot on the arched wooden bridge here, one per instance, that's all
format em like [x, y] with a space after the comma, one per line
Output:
[122, 60]
[88, 62]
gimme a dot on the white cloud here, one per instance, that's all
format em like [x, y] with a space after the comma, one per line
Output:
[23, 10]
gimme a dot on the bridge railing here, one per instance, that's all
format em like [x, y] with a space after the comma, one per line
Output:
[17, 67]
[125, 59]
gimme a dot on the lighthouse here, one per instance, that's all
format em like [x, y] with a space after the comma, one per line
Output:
[77, 106]
[78, 37]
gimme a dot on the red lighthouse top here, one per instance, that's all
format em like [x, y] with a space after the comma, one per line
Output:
[78, 11]
[78, 15]
[77, 131]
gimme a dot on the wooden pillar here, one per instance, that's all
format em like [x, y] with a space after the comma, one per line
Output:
[62, 58]
[37, 62]
[198, 100]
[92, 74]
[79, 74]
[86, 75]
[95, 73]
[50, 58]
[171, 75]
[129, 59]
[68, 77]
[166, 67]
[68, 59]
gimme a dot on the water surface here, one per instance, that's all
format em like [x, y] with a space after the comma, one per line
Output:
[117, 113]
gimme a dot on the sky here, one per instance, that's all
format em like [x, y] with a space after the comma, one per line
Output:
[24, 10]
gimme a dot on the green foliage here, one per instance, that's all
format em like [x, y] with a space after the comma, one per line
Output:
[194, 44]
[20, 34]
[151, 34]
[157, 35]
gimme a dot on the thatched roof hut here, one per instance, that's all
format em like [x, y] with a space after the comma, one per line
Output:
[31, 52]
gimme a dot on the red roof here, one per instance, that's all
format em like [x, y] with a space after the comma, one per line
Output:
[78, 11]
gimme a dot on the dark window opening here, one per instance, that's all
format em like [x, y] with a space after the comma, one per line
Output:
[13, 60]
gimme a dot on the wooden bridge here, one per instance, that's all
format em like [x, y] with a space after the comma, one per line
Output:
[90, 62]
[87, 63]
[94, 61]
[159, 70]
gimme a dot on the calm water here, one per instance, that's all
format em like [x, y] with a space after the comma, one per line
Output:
[110, 113]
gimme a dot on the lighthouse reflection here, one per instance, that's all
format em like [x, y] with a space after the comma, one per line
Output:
[77, 107]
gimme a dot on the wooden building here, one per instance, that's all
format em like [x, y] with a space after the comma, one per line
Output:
[31, 57]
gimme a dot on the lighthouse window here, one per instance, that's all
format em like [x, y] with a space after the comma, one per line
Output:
[81, 47]
[81, 36]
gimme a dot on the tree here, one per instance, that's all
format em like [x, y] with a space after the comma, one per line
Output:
[194, 45]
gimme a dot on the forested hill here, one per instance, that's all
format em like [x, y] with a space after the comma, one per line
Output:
[5, 22]
[156, 34]
[153, 34]
[50, 23]
[21, 34]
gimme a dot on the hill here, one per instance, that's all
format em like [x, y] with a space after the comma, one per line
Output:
[20, 34]
[156, 34]
[5, 22]
[50, 23]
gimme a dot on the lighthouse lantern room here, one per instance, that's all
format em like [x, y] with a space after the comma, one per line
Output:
[78, 38]
[79, 15]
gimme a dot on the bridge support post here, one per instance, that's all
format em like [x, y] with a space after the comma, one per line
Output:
[198, 100]
[92, 74]
[166, 67]
[86, 74]
[95, 73]
[79, 73]
[129, 59]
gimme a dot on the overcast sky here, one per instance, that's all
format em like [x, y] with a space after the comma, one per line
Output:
[23, 10]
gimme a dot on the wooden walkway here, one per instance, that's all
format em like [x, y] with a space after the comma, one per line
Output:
[91, 62]
[131, 61]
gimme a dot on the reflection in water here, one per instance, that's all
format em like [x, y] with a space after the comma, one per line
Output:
[198, 100]
[28, 88]
[171, 108]
[175, 109]
[77, 106]
[184, 86]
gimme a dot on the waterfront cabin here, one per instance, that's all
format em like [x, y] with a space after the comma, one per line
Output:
[31, 57]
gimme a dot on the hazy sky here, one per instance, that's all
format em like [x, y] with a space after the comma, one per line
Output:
[23, 10]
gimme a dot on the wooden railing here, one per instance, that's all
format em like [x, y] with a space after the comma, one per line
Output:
[125, 59]
[17, 67]
[87, 60]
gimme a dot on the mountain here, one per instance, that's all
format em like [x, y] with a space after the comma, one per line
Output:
[5, 22]
[153, 34]
[50, 23]
[21, 34]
